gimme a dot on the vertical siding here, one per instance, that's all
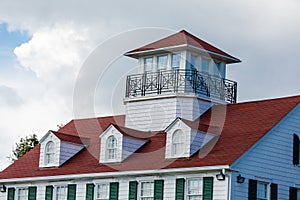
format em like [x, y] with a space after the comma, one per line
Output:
[270, 159]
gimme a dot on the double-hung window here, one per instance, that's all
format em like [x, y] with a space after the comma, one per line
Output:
[148, 64]
[162, 62]
[50, 152]
[111, 148]
[194, 189]
[102, 192]
[61, 192]
[178, 140]
[147, 191]
[23, 194]
[205, 65]
[175, 61]
[262, 191]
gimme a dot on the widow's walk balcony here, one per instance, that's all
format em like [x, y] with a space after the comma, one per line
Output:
[181, 82]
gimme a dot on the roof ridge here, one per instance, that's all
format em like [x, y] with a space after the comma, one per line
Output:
[266, 100]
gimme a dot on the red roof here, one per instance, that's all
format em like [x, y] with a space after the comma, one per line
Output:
[244, 125]
[182, 38]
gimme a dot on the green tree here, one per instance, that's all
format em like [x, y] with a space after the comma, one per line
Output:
[23, 146]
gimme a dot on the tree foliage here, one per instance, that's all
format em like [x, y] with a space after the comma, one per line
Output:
[23, 146]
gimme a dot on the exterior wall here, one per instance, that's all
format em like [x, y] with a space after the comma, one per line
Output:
[157, 113]
[68, 150]
[270, 160]
[220, 188]
[53, 138]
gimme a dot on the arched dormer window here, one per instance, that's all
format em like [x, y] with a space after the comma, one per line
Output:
[178, 141]
[50, 153]
[111, 148]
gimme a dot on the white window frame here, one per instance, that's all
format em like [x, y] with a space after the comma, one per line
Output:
[149, 196]
[203, 59]
[165, 65]
[199, 193]
[65, 193]
[97, 192]
[111, 148]
[178, 143]
[49, 153]
[24, 195]
[172, 61]
[146, 66]
[266, 191]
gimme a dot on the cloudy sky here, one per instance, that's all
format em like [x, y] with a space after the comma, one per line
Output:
[44, 44]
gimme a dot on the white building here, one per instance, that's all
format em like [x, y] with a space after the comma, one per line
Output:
[183, 137]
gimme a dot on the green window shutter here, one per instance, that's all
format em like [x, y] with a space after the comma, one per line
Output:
[71, 192]
[274, 191]
[133, 190]
[293, 193]
[158, 189]
[252, 189]
[114, 191]
[296, 150]
[208, 183]
[49, 192]
[89, 191]
[179, 195]
[10, 193]
[32, 193]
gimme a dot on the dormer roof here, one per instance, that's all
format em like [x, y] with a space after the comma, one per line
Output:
[182, 39]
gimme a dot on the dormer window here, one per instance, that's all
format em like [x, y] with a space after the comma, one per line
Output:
[111, 148]
[50, 153]
[178, 140]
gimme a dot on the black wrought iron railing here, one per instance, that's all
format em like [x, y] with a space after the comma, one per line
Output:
[181, 81]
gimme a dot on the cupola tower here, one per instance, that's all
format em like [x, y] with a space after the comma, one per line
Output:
[179, 76]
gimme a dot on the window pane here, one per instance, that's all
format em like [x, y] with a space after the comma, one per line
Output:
[178, 143]
[61, 193]
[148, 64]
[262, 190]
[217, 68]
[195, 186]
[23, 194]
[162, 62]
[147, 190]
[111, 148]
[175, 61]
[103, 191]
[205, 65]
[193, 62]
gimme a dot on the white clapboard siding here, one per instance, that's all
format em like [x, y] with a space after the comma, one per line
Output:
[270, 159]
[220, 187]
[157, 113]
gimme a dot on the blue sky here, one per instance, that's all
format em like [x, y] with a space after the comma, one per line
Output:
[42, 56]
[9, 40]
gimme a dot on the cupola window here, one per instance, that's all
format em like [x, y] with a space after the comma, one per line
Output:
[50, 152]
[175, 61]
[162, 62]
[111, 148]
[178, 143]
[205, 65]
[148, 64]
